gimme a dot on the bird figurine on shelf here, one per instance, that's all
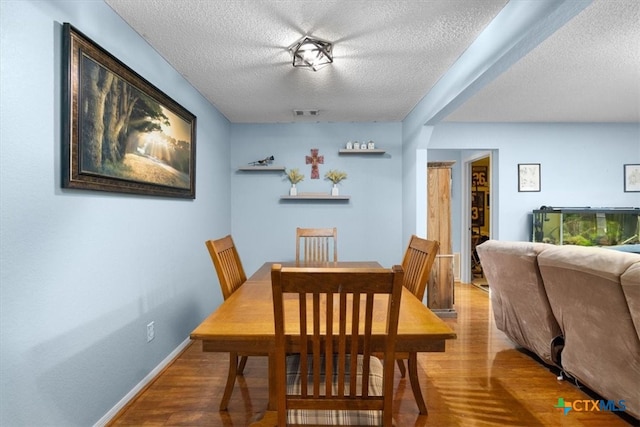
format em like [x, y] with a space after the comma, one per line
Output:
[264, 162]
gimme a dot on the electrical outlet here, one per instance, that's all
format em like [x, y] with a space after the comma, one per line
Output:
[151, 331]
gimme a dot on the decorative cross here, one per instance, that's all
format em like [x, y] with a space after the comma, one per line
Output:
[314, 160]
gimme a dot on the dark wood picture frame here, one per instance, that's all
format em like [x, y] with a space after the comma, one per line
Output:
[632, 178]
[528, 177]
[119, 132]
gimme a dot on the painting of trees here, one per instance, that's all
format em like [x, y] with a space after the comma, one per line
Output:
[124, 134]
[117, 121]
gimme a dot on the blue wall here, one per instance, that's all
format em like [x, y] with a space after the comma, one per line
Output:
[581, 165]
[82, 273]
[369, 224]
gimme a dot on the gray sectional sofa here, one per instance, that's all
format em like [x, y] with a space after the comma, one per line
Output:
[575, 307]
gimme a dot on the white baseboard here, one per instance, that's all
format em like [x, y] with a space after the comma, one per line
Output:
[142, 384]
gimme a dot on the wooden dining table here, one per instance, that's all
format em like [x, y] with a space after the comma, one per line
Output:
[244, 322]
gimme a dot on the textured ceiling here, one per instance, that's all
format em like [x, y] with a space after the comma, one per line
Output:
[588, 71]
[387, 56]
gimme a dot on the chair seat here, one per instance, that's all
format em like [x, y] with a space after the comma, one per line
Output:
[333, 417]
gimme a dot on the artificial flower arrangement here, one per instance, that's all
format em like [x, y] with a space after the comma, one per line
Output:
[294, 176]
[335, 176]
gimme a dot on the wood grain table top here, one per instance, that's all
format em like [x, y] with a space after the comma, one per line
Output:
[244, 322]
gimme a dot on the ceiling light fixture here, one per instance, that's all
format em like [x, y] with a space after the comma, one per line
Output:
[311, 53]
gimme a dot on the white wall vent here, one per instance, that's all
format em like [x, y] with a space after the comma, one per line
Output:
[306, 113]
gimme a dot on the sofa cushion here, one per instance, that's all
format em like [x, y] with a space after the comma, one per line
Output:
[518, 298]
[630, 281]
[601, 346]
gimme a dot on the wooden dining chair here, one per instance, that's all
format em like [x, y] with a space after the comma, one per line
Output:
[417, 264]
[230, 275]
[316, 244]
[325, 372]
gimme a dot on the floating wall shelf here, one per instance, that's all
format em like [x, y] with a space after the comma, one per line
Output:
[314, 197]
[352, 151]
[261, 168]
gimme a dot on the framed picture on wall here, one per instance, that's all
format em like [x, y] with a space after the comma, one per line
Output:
[121, 133]
[632, 178]
[528, 177]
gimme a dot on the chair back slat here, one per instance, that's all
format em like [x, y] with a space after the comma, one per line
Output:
[302, 302]
[328, 353]
[316, 244]
[227, 264]
[342, 343]
[417, 264]
[335, 318]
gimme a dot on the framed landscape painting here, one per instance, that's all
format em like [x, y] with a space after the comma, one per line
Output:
[121, 133]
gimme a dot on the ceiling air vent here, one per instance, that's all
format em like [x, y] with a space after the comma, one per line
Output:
[305, 113]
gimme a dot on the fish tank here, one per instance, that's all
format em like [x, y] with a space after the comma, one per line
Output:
[618, 228]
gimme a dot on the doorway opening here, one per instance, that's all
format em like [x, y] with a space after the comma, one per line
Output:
[480, 215]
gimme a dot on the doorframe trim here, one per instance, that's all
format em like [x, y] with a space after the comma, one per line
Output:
[465, 223]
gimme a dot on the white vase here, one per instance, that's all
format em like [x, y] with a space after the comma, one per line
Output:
[334, 190]
[293, 191]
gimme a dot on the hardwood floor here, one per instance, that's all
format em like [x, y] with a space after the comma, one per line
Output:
[481, 380]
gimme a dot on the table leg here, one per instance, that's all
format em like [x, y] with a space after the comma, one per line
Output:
[270, 416]
[231, 380]
[415, 384]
